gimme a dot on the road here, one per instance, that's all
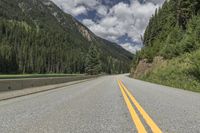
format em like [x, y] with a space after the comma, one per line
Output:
[109, 104]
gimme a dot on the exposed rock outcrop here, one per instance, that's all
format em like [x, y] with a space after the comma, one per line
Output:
[144, 66]
[84, 32]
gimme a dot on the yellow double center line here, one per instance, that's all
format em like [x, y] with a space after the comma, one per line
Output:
[126, 93]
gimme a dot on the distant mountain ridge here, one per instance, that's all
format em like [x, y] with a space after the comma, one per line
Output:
[52, 41]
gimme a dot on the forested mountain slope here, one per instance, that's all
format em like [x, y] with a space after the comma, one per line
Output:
[37, 37]
[171, 53]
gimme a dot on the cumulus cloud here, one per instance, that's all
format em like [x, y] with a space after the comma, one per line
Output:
[88, 22]
[115, 21]
[76, 7]
[124, 19]
[102, 10]
[79, 10]
[132, 48]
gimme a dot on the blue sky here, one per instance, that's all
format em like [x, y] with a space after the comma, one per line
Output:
[120, 21]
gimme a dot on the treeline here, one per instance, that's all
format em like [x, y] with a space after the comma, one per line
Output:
[26, 49]
[172, 31]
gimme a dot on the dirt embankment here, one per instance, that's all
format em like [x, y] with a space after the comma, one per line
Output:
[145, 67]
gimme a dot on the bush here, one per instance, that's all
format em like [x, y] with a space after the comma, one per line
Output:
[195, 62]
[172, 47]
[170, 51]
[149, 52]
[189, 44]
[191, 39]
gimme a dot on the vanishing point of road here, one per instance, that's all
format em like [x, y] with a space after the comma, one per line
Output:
[108, 104]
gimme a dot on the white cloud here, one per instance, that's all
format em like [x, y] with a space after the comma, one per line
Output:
[76, 7]
[88, 22]
[102, 10]
[109, 22]
[124, 19]
[131, 48]
[79, 10]
[121, 19]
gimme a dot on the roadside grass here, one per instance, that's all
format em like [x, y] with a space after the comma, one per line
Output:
[18, 76]
[176, 73]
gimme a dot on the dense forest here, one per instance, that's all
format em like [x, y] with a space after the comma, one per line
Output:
[173, 33]
[37, 37]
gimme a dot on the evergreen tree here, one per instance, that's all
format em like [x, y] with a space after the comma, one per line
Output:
[169, 33]
[184, 12]
[31, 43]
[93, 64]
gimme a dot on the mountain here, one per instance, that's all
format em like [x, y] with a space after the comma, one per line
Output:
[38, 37]
[171, 53]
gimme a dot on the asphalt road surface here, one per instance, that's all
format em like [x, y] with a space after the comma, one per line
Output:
[110, 104]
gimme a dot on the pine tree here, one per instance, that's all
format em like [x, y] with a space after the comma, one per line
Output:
[93, 64]
[185, 10]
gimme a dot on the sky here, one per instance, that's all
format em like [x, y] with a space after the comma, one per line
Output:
[120, 21]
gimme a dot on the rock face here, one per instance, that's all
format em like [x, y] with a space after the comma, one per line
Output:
[144, 67]
[84, 32]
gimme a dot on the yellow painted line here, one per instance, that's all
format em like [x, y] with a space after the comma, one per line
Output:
[147, 118]
[134, 116]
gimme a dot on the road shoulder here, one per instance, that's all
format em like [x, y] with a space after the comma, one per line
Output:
[28, 91]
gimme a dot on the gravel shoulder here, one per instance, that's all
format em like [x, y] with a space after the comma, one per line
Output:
[28, 91]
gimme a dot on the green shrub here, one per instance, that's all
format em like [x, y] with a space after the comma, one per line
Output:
[191, 40]
[180, 72]
[189, 44]
[172, 46]
[195, 62]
